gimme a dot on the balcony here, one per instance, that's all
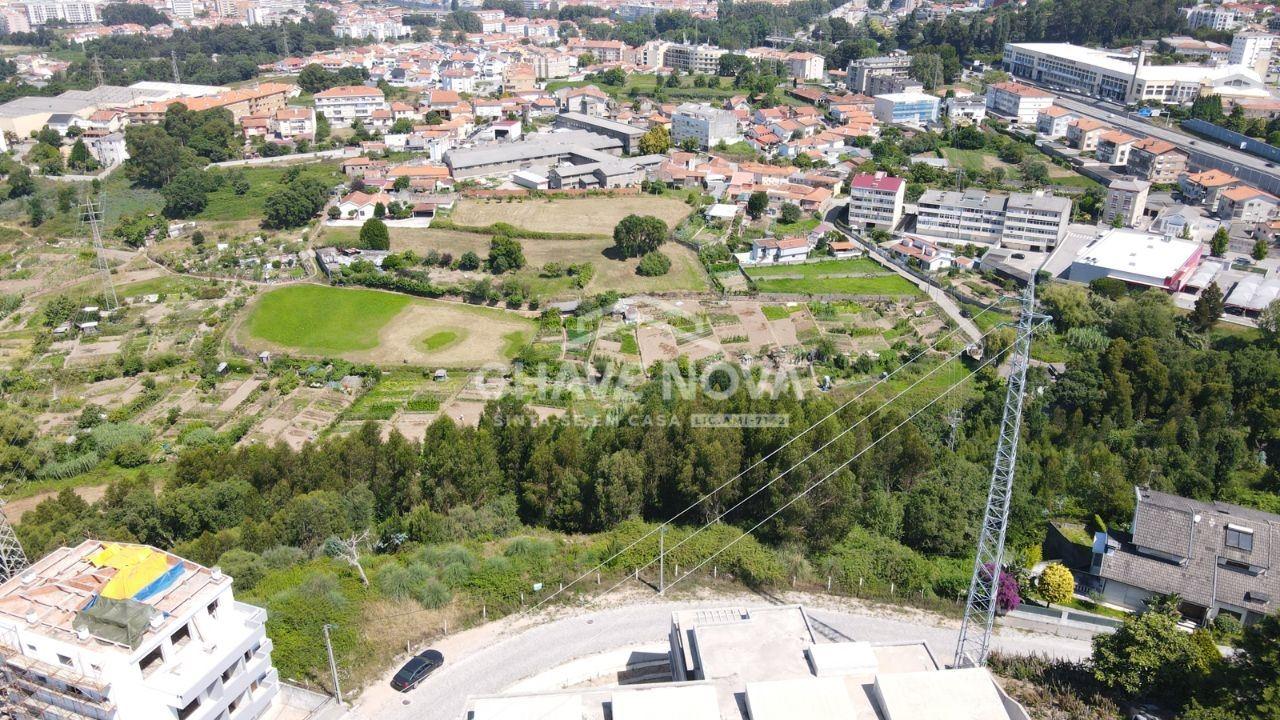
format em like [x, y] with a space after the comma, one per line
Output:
[30, 665]
[72, 702]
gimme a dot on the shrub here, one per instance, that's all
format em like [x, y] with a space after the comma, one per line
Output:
[654, 264]
[1056, 584]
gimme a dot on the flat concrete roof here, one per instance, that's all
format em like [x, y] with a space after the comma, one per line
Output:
[687, 702]
[533, 147]
[566, 706]
[808, 698]
[1138, 253]
[967, 694]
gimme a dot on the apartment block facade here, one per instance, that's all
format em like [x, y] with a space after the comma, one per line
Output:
[875, 201]
[1024, 221]
[707, 125]
[349, 102]
[1156, 161]
[1017, 102]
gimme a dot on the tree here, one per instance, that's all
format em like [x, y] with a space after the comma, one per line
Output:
[35, 211]
[1208, 307]
[402, 126]
[66, 198]
[732, 64]
[80, 159]
[1220, 242]
[1255, 669]
[757, 203]
[927, 68]
[401, 183]
[239, 183]
[285, 208]
[1148, 657]
[789, 213]
[655, 142]
[374, 235]
[186, 195]
[1269, 320]
[315, 78]
[469, 261]
[654, 264]
[1056, 584]
[1260, 249]
[154, 156]
[322, 127]
[21, 183]
[505, 254]
[637, 235]
[1034, 171]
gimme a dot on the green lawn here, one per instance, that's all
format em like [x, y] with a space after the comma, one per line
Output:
[645, 84]
[120, 197]
[442, 339]
[880, 285]
[225, 205]
[779, 312]
[973, 161]
[315, 318]
[167, 284]
[852, 266]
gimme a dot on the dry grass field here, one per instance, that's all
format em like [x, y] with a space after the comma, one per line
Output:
[595, 215]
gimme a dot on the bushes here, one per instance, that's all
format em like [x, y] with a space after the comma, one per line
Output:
[1056, 583]
[746, 559]
[654, 264]
[72, 466]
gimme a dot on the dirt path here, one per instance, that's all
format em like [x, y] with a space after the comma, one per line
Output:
[15, 509]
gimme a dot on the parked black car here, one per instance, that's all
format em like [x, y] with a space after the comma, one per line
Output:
[417, 670]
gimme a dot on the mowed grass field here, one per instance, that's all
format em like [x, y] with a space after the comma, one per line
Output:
[595, 215]
[857, 276]
[318, 319]
[382, 327]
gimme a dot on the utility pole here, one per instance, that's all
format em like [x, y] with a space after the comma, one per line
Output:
[662, 560]
[13, 559]
[984, 586]
[333, 665]
[97, 71]
[93, 214]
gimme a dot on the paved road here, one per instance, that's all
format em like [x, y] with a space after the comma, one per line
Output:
[491, 658]
[1202, 153]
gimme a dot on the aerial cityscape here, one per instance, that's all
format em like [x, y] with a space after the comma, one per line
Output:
[639, 359]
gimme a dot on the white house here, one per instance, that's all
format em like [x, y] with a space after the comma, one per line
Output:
[294, 122]
[109, 150]
[129, 632]
[779, 250]
[360, 206]
[1017, 102]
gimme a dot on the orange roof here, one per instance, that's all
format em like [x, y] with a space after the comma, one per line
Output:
[1088, 124]
[1212, 178]
[1244, 192]
[1155, 146]
[349, 91]
[413, 171]
[1017, 88]
[1117, 137]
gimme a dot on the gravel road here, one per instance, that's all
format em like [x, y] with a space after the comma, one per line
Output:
[490, 658]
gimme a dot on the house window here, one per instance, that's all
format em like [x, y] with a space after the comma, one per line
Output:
[181, 636]
[64, 660]
[213, 608]
[1239, 538]
[151, 661]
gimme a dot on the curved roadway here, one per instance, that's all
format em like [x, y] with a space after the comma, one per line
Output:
[491, 658]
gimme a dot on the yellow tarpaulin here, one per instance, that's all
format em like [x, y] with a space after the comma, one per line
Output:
[136, 568]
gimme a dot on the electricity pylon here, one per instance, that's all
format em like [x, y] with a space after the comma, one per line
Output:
[92, 210]
[984, 586]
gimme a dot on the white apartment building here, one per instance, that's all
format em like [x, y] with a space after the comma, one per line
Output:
[1035, 221]
[1251, 50]
[1126, 77]
[1215, 17]
[709, 126]
[111, 631]
[1025, 221]
[75, 12]
[701, 59]
[875, 201]
[379, 30]
[346, 103]
[184, 9]
[1019, 103]
[972, 216]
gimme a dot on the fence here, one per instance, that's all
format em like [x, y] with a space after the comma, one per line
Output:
[480, 193]
[1253, 146]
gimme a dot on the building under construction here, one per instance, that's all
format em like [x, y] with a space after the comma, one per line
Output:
[112, 631]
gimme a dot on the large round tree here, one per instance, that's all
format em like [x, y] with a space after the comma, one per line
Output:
[637, 235]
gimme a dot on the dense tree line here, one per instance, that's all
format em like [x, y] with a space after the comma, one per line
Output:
[122, 13]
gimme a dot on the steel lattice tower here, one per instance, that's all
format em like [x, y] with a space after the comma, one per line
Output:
[12, 558]
[92, 210]
[980, 610]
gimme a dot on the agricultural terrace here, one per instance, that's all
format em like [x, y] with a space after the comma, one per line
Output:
[857, 276]
[381, 327]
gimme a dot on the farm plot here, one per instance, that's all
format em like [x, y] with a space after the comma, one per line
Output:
[858, 276]
[594, 215]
